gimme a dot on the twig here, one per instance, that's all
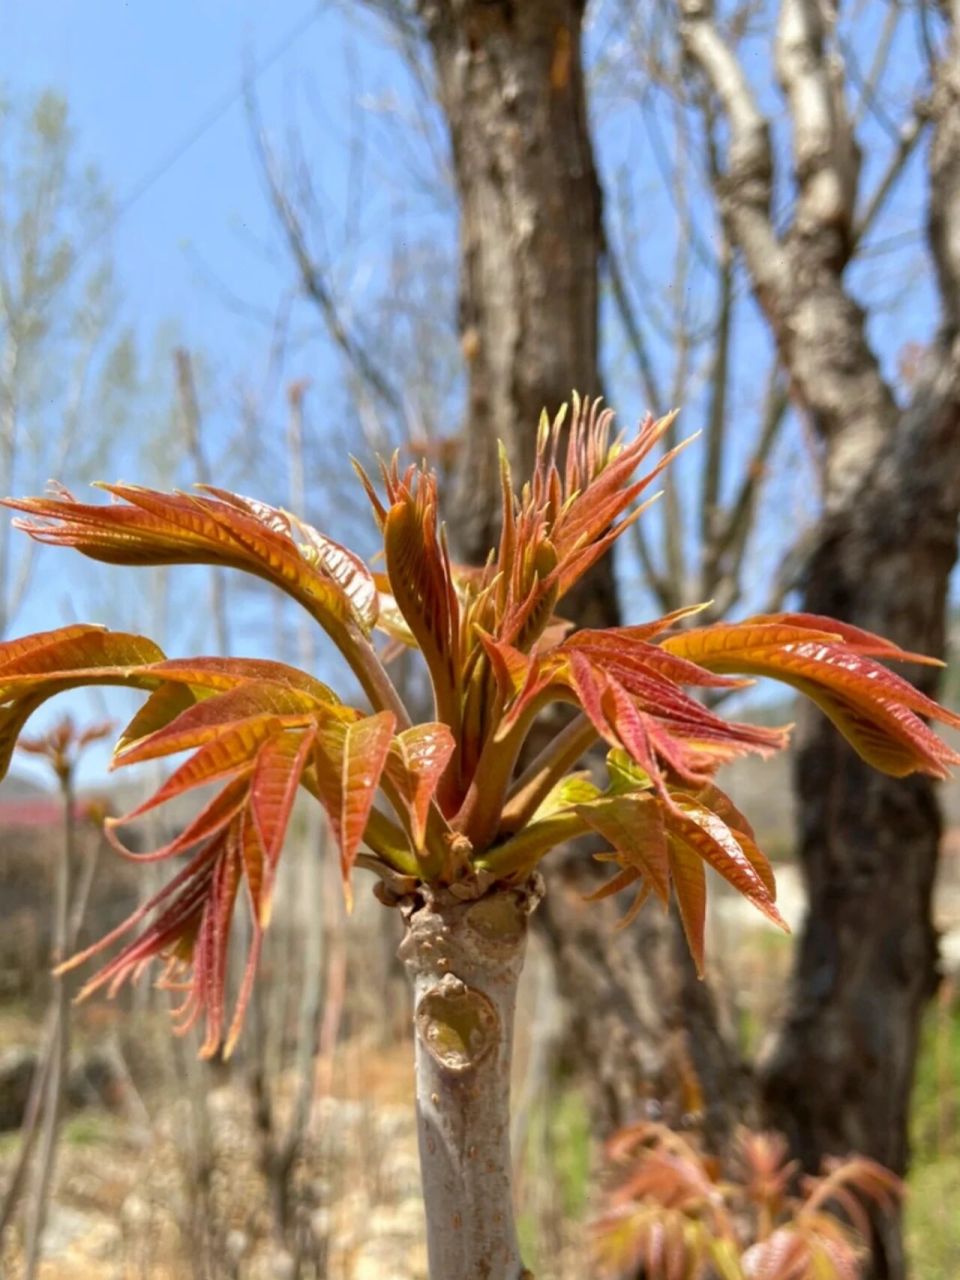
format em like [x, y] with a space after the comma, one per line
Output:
[189, 407]
[60, 1043]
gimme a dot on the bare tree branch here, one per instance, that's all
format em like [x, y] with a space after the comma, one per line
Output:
[819, 328]
[881, 54]
[747, 185]
[909, 135]
[718, 410]
[825, 156]
[723, 573]
[632, 328]
[189, 413]
[944, 168]
[314, 283]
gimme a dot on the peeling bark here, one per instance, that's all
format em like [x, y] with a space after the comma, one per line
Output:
[464, 960]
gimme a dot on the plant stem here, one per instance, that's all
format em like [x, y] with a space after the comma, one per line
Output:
[464, 961]
[541, 775]
[480, 814]
[59, 1044]
[372, 674]
[519, 855]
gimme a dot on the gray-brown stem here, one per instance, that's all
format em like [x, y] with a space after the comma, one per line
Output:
[464, 960]
[59, 1042]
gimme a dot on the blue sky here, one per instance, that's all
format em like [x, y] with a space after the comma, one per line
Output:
[139, 80]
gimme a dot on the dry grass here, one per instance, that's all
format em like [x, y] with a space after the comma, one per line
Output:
[175, 1190]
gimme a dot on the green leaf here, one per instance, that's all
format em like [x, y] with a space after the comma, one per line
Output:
[625, 775]
[573, 790]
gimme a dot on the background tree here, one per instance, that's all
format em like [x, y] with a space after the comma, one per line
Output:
[61, 748]
[61, 349]
[884, 548]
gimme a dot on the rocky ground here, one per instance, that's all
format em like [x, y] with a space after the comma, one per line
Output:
[135, 1205]
[132, 1206]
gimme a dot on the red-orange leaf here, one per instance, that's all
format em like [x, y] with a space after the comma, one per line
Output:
[634, 826]
[273, 789]
[348, 761]
[241, 832]
[620, 645]
[226, 755]
[235, 717]
[510, 666]
[162, 706]
[863, 642]
[690, 888]
[422, 585]
[220, 674]
[89, 651]
[335, 560]
[146, 527]
[497, 656]
[415, 763]
[877, 711]
[706, 834]
[663, 843]
[211, 820]
[250, 846]
[26, 647]
[190, 680]
[35, 668]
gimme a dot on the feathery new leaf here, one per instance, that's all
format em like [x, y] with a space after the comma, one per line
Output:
[745, 1225]
[144, 527]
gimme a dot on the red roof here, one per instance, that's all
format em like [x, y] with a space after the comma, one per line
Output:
[37, 811]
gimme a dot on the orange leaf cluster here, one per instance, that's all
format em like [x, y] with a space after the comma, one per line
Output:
[672, 1213]
[447, 800]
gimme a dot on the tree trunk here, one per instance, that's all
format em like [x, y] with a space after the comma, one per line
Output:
[464, 960]
[840, 1075]
[511, 85]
